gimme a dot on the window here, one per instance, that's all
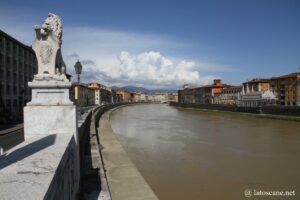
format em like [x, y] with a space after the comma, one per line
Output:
[15, 90]
[8, 89]
[7, 75]
[14, 49]
[14, 65]
[15, 103]
[1, 74]
[7, 60]
[7, 47]
[20, 78]
[8, 102]
[15, 76]
[1, 44]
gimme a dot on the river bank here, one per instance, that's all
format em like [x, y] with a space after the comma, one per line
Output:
[232, 109]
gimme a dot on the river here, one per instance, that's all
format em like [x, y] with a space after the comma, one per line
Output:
[189, 154]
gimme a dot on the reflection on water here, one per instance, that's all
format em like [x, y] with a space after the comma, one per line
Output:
[188, 154]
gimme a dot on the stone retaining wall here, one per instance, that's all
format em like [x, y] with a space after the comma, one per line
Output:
[231, 108]
[281, 110]
[268, 110]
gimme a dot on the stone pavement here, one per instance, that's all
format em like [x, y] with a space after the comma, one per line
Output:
[4, 129]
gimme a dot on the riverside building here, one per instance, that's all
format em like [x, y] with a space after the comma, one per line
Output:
[205, 94]
[186, 94]
[123, 96]
[18, 64]
[228, 96]
[103, 94]
[287, 89]
[256, 93]
[82, 95]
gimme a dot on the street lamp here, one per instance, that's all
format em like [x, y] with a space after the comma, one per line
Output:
[78, 69]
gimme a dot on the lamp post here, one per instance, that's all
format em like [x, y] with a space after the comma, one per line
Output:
[78, 69]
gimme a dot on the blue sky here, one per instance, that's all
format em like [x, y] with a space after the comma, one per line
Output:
[163, 44]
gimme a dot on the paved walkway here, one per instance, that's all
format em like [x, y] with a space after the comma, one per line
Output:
[4, 129]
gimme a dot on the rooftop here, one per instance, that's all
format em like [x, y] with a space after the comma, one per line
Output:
[233, 87]
[258, 80]
[15, 40]
[291, 75]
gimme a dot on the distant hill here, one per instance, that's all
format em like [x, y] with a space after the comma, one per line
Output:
[130, 88]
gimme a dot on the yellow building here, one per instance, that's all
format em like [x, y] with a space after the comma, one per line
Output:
[136, 97]
[123, 96]
[287, 89]
[82, 95]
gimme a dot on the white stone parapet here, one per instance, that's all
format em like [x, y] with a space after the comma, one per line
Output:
[42, 167]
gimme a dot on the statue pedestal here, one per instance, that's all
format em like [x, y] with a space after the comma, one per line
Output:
[50, 110]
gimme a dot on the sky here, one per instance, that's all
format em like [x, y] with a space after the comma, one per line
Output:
[167, 43]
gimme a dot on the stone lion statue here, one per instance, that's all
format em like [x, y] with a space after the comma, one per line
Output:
[47, 47]
[53, 22]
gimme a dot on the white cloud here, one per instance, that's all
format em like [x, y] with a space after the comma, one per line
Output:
[154, 70]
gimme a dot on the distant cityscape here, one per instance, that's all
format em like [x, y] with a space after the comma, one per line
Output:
[283, 90]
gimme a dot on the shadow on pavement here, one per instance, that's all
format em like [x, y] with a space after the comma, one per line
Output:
[26, 151]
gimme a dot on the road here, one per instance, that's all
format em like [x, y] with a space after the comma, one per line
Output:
[11, 137]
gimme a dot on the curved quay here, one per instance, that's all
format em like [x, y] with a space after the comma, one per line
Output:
[124, 180]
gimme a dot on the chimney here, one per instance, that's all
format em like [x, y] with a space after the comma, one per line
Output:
[217, 81]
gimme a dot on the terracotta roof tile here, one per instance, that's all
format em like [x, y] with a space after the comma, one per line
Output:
[291, 75]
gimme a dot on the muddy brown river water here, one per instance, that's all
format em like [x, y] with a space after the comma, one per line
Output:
[190, 154]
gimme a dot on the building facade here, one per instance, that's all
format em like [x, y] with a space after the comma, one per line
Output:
[186, 95]
[123, 96]
[287, 89]
[82, 95]
[96, 87]
[136, 96]
[228, 96]
[205, 94]
[144, 97]
[103, 94]
[256, 93]
[18, 64]
[172, 97]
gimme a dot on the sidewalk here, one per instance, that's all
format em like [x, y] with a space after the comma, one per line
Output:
[7, 128]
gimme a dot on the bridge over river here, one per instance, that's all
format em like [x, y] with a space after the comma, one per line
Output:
[192, 154]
